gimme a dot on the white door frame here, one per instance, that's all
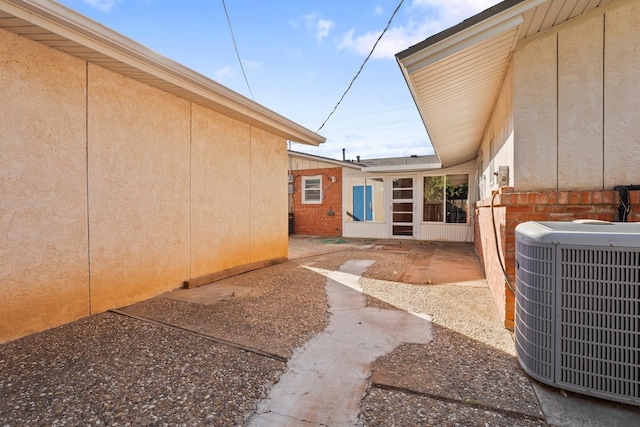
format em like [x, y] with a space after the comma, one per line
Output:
[405, 222]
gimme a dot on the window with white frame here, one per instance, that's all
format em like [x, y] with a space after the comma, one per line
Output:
[446, 199]
[312, 189]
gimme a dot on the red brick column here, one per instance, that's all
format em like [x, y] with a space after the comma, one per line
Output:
[510, 209]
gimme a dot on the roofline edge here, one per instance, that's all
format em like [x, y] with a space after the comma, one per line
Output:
[58, 18]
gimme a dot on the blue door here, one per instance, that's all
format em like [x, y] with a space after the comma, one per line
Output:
[362, 203]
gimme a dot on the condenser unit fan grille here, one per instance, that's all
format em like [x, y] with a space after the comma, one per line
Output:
[599, 314]
[577, 323]
[534, 329]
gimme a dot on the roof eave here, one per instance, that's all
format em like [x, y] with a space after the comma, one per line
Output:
[73, 26]
[402, 168]
[496, 20]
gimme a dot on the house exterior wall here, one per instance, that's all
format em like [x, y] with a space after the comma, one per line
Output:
[138, 186]
[576, 104]
[574, 135]
[268, 197]
[113, 191]
[422, 230]
[622, 96]
[314, 219]
[44, 273]
[498, 141]
[219, 144]
[300, 163]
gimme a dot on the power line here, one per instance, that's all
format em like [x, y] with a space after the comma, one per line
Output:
[362, 66]
[236, 49]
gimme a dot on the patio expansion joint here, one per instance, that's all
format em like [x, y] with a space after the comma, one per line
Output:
[506, 412]
[221, 341]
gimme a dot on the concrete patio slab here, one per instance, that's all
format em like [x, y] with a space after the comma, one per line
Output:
[326, 379]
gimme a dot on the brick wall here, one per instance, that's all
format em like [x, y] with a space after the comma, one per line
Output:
[511, 208]
[314, 219]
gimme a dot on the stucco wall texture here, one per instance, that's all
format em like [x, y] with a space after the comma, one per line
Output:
[577, 104]
[113, 191]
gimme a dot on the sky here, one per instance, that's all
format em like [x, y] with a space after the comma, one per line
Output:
[299, 57]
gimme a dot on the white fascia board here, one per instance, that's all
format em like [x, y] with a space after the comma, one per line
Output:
[468, 37]
[67, 23]
[402, 168]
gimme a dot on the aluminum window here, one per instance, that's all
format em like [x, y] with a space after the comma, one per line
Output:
[445, 199]
[312, 189]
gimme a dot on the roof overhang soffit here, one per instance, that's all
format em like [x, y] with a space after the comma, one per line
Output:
[455, 78]
[402, 168]
[458, 42]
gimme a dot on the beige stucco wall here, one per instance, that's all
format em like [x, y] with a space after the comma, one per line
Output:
[268, 223]
[577, 103]
[498, 141]
[113, 191]
[622, 96]
[138, 190]
[220, 193]
[580, 82]
[44, 267]
[535, 116]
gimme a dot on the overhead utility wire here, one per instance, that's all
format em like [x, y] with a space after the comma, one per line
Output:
[362, 66]
[236, 48]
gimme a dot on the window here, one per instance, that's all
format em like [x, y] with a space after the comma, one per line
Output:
[445, 199]
[312, 189]
[364, 199]
[433, 199]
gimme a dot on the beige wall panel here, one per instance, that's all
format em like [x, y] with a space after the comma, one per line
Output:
[138, 190]
[622, 96]
[43, 206]
[221, 192]
[269, 230]
[535, 116]
[497, 146]
[580, 139]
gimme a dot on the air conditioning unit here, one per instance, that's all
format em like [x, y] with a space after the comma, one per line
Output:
[577, 318]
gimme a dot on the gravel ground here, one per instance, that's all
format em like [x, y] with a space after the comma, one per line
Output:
[112, 370]
[407, 409]
[165, 365]
[281, 308]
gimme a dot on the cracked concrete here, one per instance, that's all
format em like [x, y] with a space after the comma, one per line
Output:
[326, 379]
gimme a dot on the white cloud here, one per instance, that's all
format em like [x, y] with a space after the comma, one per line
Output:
[395, 40]
[428, 17]
[102, 5]
[323, 28]
[451, 12]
